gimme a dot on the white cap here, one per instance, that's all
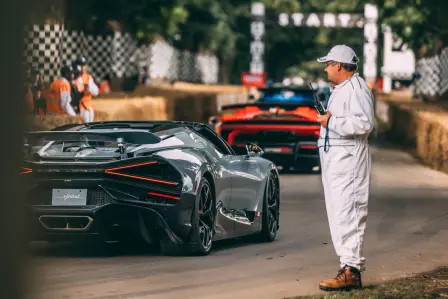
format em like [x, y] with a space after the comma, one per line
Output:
[340, 53]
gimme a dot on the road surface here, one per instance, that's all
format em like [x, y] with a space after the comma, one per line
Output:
[407, 232]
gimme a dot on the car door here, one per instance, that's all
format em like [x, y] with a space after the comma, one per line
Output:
[220, 162]
[246, 184]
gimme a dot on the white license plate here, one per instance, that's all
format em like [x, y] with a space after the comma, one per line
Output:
[69, 197]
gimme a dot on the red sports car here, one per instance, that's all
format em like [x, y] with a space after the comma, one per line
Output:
[283, 122]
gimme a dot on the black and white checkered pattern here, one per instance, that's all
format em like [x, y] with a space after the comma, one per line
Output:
[434, 75]
[51, 46]
[171, 64]
[429, 69]
[97, 51]
[444, 71]
[43, 49]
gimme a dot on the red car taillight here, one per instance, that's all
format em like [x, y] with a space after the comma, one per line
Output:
[140, 171]
[25, 170]
[160, 195]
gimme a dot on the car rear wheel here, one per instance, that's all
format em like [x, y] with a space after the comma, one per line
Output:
[203, 221]
[270, 217]
[202, 226]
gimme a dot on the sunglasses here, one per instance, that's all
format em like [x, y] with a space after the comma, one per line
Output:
[330, 63]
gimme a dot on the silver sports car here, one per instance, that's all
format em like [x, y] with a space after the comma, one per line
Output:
[172, 183]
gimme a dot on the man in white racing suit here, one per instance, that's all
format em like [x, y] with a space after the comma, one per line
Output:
[346, 164]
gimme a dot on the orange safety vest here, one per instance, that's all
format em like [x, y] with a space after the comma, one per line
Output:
[85, 102]
[54, 96]
[104, 87]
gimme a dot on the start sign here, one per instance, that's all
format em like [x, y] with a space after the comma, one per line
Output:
[253, 80]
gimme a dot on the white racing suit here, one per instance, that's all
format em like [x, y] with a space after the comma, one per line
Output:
[346, 165]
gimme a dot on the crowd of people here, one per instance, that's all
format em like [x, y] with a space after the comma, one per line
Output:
[70, 94]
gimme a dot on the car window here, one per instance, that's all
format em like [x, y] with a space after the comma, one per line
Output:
[216, 140]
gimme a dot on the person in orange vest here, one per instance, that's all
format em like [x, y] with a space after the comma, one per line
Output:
[35, 93]
[85, 84]
[59, 96]
[105, 85]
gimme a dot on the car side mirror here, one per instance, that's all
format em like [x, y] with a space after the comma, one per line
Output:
[253, 150]
[213, 120]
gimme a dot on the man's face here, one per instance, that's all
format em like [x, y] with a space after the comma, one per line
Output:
[84, 68]
[331, 70]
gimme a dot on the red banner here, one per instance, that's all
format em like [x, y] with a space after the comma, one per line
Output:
[253, 80]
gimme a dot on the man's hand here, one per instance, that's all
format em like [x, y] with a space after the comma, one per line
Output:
[323, 119]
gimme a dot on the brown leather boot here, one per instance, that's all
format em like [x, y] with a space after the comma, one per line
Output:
[348, 278]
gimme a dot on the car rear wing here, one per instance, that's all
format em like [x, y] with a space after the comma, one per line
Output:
[286, 106]
[122, 136]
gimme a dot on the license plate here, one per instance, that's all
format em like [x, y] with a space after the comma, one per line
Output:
[69, 197]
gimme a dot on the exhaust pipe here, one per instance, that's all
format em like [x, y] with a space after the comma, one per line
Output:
[66, 222]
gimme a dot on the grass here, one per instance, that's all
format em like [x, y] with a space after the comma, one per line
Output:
[432, 284]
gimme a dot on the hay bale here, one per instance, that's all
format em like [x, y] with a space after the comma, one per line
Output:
[44, 123]
[181, 101]
[420, 127]
[193, 104]
[139, 108]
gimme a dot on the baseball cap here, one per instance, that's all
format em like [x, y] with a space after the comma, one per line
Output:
[340, 53]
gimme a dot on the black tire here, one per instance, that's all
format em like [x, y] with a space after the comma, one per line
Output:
[270, 217]
[202, 221]
[195, 244]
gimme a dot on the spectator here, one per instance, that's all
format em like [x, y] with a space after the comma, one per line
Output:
[35, 88]
[85, 84]
[105, 85]
[59, 98]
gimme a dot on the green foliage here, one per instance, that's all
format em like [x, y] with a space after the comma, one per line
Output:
[223, 27]
[419, 23]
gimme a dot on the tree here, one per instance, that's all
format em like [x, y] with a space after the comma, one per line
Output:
[420, 24]
[145, 19]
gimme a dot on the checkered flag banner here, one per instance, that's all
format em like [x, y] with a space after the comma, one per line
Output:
[429, 69]
[443, 71]
[434, 75]
[43, 48]
[118, 55]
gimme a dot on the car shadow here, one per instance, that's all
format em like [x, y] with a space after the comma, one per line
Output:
[95, 250]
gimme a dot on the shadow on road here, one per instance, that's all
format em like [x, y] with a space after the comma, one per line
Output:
[96, 250]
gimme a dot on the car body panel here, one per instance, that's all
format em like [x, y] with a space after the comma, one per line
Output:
[171, 167]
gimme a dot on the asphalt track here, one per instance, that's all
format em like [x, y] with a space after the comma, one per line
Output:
[407, 232]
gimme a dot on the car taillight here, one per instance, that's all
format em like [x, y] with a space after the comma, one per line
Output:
[161, 198]
[285, 150]
[309, 146]
[25, 170]
[145, 171]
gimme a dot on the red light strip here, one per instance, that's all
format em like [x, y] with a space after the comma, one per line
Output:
[164, 195]
[26, 170]
[142, 178]
[130, 166]
[111, 171]
[309, 146]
